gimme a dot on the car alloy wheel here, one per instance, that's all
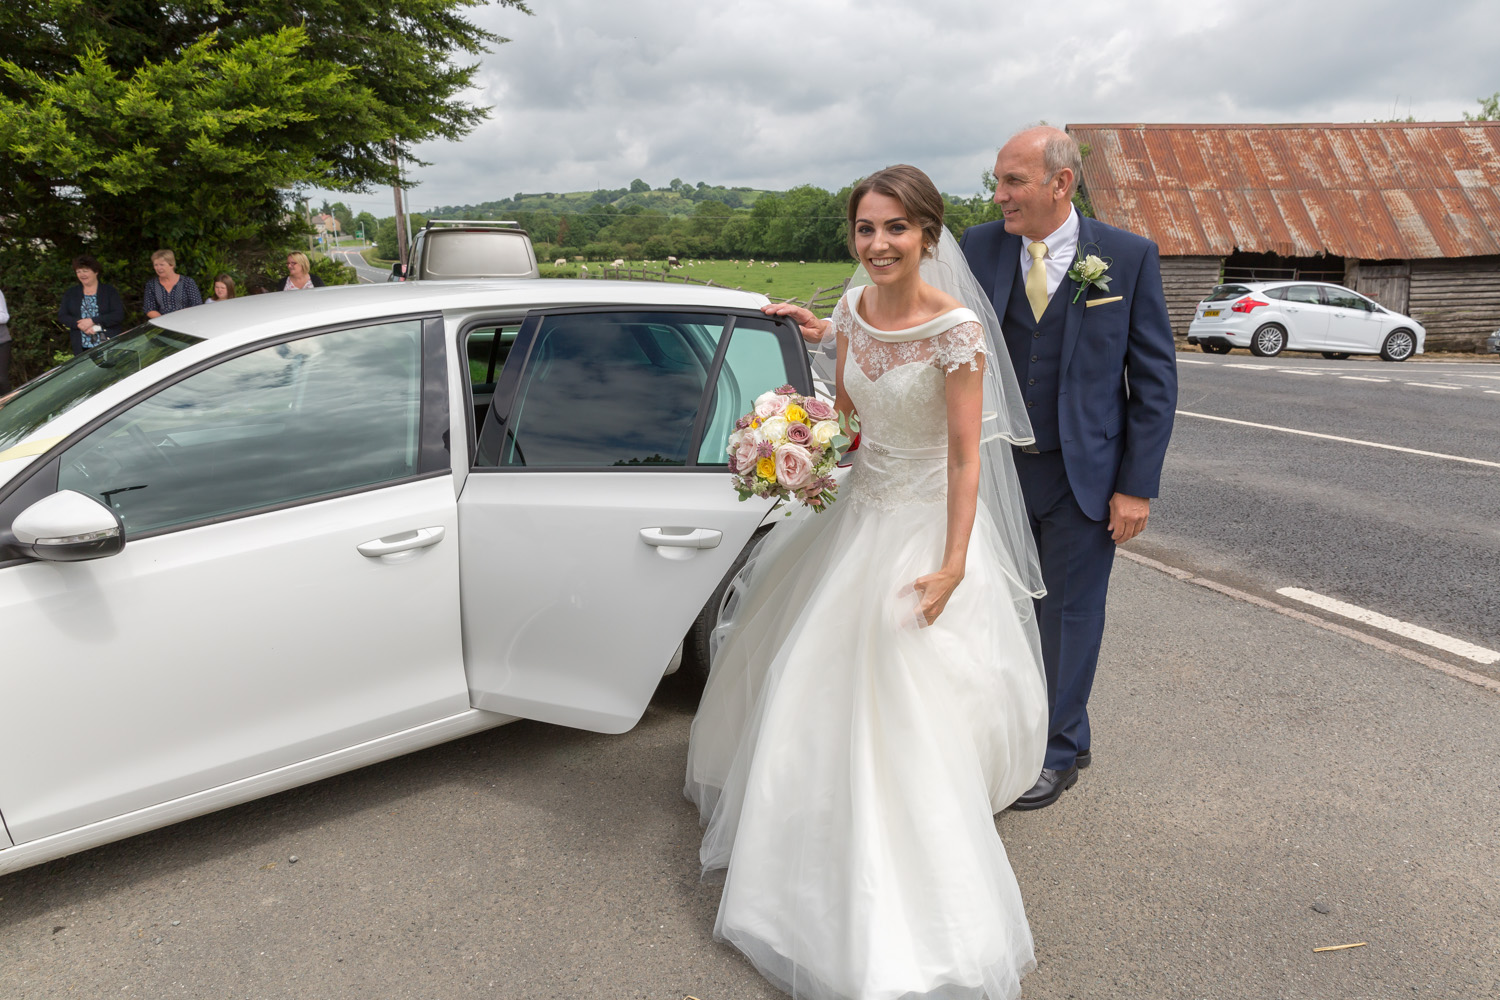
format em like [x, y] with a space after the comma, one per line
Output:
[1398, 346]
[1268, 341]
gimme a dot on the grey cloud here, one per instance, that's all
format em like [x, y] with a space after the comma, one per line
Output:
[779, 93]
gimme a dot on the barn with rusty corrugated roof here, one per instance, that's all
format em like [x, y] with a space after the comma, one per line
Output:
[1406, 213]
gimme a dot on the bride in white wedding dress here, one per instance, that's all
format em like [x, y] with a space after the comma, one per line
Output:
[854, 741]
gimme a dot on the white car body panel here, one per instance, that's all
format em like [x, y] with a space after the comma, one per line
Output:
[157, 713]
[260, 785]
[585, 644]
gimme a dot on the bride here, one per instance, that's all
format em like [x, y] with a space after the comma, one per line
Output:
[876, 694]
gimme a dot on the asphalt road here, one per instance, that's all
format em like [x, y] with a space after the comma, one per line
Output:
[1413, 537]
[367, 274]
[1261, 787]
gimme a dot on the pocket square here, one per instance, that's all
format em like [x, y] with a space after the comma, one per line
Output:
[1099, 302]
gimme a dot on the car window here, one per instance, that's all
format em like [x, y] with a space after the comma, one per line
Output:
[753, 364]
[1274, 293]
[608, 390]
[1344, 299]
[1306, 294]
[87, 375]
[292, 422]
[1223, 292]
[482, 254]
[487, 348]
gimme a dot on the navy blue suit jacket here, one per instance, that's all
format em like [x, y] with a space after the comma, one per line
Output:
[1117, 391]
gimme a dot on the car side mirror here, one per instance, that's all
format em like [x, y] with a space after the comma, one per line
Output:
[398, 270]
[68, 526]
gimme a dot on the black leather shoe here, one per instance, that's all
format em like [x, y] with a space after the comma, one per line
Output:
[1084, 759]
[1047, 789]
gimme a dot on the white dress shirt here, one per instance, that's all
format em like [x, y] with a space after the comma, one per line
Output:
[1062, 248]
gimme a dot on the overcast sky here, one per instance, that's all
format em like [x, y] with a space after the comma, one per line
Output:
[775, 93]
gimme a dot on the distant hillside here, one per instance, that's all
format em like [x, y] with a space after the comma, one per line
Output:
[677, 198]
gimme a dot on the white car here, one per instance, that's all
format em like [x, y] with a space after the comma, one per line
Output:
[247, 547]
[1275, 316]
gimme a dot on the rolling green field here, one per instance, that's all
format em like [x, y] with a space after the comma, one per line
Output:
[788, 280]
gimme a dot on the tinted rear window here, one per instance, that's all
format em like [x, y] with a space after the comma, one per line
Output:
[476, 255]
[1228, 292]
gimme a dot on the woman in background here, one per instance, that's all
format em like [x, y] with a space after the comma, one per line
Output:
[169, 291]
[299, 273]
[91, 310]
[223, 289]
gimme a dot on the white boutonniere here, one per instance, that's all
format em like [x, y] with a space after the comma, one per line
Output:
[1089, 270]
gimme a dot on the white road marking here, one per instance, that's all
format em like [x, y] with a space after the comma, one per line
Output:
[1345, 440]
[1363, 378]
[1434, 385]
[1297, 371]
[1493, 392]
[1427, 636]
[1254, 368]
[1191, 361]
[1478, 680]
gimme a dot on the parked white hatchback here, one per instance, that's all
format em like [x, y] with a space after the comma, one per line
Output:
[1271, 317]
[246, 547]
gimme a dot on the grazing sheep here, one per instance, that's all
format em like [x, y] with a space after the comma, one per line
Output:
[560, 262]
[584, 268]
[802, 262]
[618, 263]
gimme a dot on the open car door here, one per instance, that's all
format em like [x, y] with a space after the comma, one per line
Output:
[599, 517]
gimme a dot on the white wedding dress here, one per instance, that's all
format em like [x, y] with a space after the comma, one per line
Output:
[848, 765]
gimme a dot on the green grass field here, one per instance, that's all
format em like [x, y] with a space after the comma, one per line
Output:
[788, 280]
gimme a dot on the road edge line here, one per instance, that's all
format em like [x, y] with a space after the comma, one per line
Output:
[1432, 663]
[1342, 440]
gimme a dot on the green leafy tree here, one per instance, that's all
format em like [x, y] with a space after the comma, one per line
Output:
[639, 186]
[1489, 109]
[128, 126]
[366, 223]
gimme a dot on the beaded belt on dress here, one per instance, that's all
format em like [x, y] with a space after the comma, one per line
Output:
[936, 451]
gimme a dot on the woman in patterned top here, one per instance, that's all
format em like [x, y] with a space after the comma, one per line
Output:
[169, 291]
[91, 310]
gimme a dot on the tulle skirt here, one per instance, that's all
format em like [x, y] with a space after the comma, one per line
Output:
[847, 766]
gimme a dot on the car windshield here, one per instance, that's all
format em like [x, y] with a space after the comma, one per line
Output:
[87, 375]
[1223, 292]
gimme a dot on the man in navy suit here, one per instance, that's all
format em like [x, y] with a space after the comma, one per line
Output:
[1097, 368]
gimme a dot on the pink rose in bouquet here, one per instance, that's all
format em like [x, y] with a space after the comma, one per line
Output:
[794, 465]
[819, 410]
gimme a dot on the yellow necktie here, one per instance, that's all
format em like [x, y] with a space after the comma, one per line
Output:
[1036, 281]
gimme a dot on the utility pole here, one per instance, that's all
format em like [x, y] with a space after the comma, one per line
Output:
[401, 220]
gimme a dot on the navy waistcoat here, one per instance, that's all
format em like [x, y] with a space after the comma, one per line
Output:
[1036, 353]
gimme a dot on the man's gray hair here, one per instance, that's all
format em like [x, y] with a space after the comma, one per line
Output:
[1061, 150]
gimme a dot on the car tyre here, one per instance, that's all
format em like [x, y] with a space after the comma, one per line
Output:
[1399, 345]
[1336, 355]
[1268, 341]
[695, 645]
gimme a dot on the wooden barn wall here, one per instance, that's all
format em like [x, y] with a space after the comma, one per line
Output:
[1187, 281]
[1457, 300]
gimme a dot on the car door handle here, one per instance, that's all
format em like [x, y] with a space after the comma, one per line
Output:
[407, 540]
[695, 538]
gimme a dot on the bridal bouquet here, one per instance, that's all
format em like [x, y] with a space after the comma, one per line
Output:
[787, 448]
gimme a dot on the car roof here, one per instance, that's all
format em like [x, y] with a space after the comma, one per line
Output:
[275, 312]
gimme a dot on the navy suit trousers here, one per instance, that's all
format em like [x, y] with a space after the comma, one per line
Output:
[1077, 554]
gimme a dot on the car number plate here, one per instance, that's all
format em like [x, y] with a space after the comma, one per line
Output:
[1210, 312]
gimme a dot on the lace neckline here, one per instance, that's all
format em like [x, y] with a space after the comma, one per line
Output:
[923, 331]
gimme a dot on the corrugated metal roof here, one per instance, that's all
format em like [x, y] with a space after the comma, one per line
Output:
[1374, 191]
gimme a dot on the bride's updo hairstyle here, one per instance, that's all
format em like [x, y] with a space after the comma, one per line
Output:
[917, 194]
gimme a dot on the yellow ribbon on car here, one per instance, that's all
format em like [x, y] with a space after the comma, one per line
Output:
[28, 448]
